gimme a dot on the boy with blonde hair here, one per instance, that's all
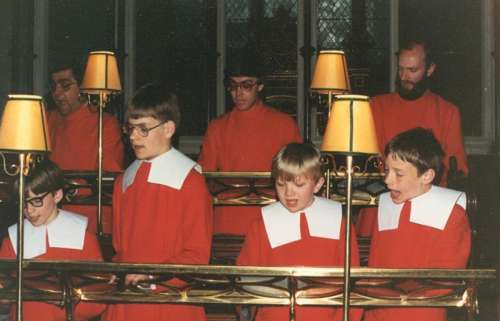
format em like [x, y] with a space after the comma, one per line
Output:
[419, 224]
[300, 230]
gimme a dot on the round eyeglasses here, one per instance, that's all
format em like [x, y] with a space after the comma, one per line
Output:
[142, 130]
[246, 85]
[35, 201]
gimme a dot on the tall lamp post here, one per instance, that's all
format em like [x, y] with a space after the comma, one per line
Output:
[23, 131]
[101, 78]
[350, 131]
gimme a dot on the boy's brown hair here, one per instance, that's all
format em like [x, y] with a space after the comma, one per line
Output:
[154, 100]
[419, 147]
[46, 176]
[297, 159]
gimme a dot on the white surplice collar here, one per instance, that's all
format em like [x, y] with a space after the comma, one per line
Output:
[324, 219]
[432, 208]
[170, 169]
[66, 231]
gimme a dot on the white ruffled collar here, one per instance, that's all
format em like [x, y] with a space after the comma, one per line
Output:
[170, 169]
[432, 208]
[66, 231]
[324, 218]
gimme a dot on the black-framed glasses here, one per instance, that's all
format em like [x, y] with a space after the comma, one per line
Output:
[246, 85]
[141, 129]
[35, 201]
[64, 84]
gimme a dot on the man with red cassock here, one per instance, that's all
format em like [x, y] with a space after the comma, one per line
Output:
[244, 139]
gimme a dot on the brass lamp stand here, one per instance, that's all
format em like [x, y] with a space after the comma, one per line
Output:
[23, 131]
[101, 78]
[350, 131]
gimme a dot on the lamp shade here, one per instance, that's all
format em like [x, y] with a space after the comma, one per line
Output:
[24, 126]
[330, 73]
[101, 73]
[350, 128]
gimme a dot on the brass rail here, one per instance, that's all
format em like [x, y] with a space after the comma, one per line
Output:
[88, 281]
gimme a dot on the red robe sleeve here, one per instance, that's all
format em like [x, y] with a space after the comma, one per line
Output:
[197, 223]
[117, 192]
[250, 252]
[208, 154]
[6, 250]
[453, 143]
[91, 252]
[453, 247]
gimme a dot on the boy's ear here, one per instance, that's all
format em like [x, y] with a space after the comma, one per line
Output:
[428, 176]
[319, 184]
[170, 129]
[58, 195]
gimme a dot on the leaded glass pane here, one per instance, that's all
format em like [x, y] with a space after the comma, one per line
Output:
[334, 23]
[361, 29]
[271, 6]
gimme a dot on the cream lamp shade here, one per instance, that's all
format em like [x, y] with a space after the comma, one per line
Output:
[101, 74]
[350, 129]
[330, 73]
[24, 126]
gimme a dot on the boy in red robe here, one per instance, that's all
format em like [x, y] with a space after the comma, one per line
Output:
[244, 139]
[73, 127]
[162, 211]
[299, 230]
[51, 233]
[419, 225]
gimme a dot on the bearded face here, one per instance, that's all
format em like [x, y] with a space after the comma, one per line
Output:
[411, 90]
[413, 75]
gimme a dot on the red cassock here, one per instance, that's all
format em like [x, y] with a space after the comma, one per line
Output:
[70, 232]
[162, 213]
[394, 115]
[314, 237]
[74, 147]
[430, 231]
[244, 141]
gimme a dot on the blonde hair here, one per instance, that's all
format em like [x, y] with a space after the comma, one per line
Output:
[297, 159]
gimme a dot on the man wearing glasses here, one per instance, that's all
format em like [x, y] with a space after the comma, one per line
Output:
[244, 139]
[73, 127]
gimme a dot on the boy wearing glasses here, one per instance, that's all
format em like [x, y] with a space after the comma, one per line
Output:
[244, 139]
[51, 233]
[162, 211]
[73, 127]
